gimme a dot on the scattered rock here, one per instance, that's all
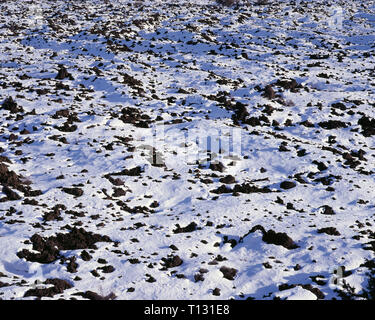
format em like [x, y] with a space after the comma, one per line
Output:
[59, 286]
[49, 247]
[189, 228]
[77, 192]
[287, 185]
[272, 237]
[332, 231]
[229, 273]
[227, 179]
[172, 262]
[327, 210]
[269, 92]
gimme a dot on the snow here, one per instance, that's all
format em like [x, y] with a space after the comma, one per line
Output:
[194, 61]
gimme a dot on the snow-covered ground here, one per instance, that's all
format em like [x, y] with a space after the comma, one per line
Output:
[187, 150]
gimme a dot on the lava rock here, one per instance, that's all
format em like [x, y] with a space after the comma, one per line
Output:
[287, 185]
[229, 273]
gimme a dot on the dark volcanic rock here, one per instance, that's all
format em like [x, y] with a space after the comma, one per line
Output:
[216, 292]
[229, 273]
[272, 237]
[118, 192]
[85, 256]
[367, 125]
[287, 185]
[248, 188]
[136, 171]
[332, 231]
[10, 105]
[135, 117]
[172, 262]
[227, 179]
[332, 124]
[189, 228]
[55, 214]
[59, 286]
[280, 239]
[48, 248]
[95, 296]
[73, 191]
[327, 210]
[63, 74]
[269, 92]
[66, 127]
[12, 195]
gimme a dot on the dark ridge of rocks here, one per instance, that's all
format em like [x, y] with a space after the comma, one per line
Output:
[136, 171]
[61, 113]
[136, 209]
[11, 179]
[12, 106]
[66, 127]
[11, 195]
[55, 214]
[327, 210]
[95, 296]
[287, 185]
[59, 286]
[272, 237]
[172, 262]
[107, 269]
[256, 121]
[229, 179]
[49, 247]
[291, 85]
[118, 192]
[268, 109]
[368, 126]
[241, 188]
[228, 273]
[85, 256]
[131, 81]
[72, 265]
[280, 239]
[332, 124]
[78, 239]
[240, 112]
[307, 124]
[135, 117]
[189, 228]
[77, 192]
[327, 180]
[332, 231]
[269, 92]
[339, 105]
[114, 181]
[321, 165]
[63, 74]
[5, 159]
[216, 292]
[248, 188]
[222, 189]
[233, 242]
